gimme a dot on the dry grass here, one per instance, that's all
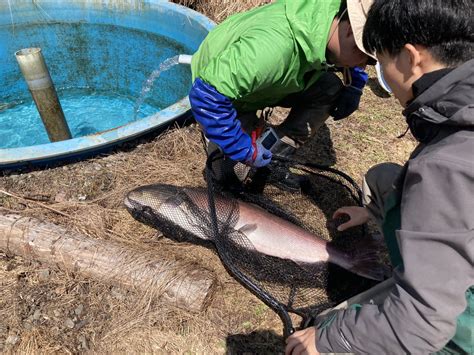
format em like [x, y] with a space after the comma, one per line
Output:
[38, 303]
[218, 10]
[90, 193]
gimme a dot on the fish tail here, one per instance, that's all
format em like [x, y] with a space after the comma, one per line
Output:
[365, 261]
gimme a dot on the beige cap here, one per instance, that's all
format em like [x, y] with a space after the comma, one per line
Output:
[358, 11]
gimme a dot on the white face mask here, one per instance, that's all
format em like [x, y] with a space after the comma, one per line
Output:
[381, 79]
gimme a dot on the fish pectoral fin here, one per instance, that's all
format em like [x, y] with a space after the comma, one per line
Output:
[248, 228]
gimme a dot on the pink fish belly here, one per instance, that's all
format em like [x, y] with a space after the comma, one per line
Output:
[272, 235]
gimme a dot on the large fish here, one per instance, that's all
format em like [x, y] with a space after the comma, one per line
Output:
[177, 210]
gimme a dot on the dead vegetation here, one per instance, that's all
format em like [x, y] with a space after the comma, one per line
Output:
[44, 309]
[38, 303]
[218, 10]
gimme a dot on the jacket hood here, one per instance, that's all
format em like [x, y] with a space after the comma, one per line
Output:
[310, 22]
[449, 101]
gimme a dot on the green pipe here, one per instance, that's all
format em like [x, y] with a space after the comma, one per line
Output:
[36, 74]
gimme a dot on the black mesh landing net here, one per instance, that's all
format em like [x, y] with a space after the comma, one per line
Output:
[210, 217]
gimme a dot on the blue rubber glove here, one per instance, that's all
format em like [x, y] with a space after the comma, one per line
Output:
[349, 98]
[261, 156]
[218, 118]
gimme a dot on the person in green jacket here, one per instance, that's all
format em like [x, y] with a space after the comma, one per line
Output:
[424, 209]
[281, 54]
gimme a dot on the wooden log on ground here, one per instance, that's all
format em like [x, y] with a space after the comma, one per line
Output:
[180, 284]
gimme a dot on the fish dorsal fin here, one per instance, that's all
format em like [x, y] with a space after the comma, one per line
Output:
[248, 228]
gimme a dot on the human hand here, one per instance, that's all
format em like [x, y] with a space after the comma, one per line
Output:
[261, 156]
[357, 215]
[302, 342]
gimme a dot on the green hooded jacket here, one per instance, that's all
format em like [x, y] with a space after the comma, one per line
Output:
[258, 57]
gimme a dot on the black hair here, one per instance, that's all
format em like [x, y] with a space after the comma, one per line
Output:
[444, 27]
[342, 14]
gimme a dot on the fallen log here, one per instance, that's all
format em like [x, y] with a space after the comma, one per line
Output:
[180, 284]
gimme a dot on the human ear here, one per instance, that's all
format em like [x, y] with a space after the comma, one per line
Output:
[414, 57]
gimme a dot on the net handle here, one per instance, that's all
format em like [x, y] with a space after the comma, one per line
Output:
[277, 307]
[271, 302]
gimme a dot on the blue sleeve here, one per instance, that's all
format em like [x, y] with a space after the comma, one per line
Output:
[359, 77]
[218, 118]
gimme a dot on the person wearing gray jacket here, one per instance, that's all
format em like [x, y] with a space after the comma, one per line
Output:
[424, 209]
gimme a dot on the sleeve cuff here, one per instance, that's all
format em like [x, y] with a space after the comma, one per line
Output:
[329, 339]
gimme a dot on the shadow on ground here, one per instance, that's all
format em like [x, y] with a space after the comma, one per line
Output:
[320, 149]
[374, 85]
[261, 342]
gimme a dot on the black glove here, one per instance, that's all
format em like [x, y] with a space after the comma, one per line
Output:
[349, 98]
[347, 102]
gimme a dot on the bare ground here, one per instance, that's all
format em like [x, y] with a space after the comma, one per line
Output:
[44, 309]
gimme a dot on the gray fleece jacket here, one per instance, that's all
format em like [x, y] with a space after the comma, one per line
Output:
[436, 238]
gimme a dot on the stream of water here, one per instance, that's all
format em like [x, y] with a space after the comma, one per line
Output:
[166, 65]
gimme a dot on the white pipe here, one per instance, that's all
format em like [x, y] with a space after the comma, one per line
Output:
[35, 71]
[185, 59]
